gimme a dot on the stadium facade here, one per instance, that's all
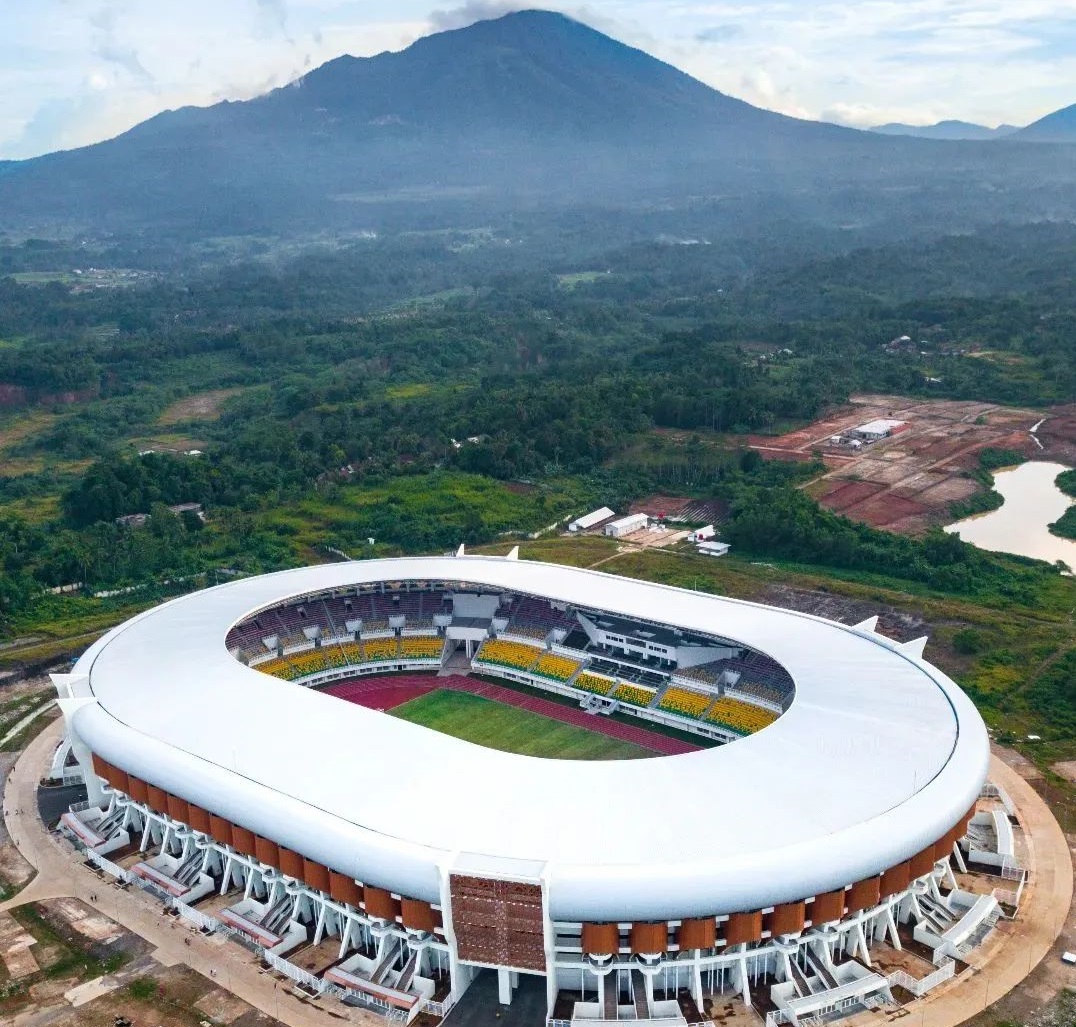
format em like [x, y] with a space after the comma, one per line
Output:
[836, 776]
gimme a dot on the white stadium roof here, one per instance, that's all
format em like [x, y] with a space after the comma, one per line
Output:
[878, 756]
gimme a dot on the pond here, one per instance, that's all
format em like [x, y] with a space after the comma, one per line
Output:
[1020, 526]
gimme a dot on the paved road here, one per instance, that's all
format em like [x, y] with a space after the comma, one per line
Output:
[61, 873]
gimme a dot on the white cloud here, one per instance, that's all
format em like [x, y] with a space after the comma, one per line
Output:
[472, 11]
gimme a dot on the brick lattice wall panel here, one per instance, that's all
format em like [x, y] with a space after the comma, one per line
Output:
[498, 922]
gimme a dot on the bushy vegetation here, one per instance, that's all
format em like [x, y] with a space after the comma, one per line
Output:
[787, 524]
[435, 387]
[990, 459]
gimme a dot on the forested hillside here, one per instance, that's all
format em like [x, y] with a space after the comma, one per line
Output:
[409, 391]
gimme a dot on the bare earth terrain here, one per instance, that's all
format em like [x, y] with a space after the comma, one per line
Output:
[906, 483]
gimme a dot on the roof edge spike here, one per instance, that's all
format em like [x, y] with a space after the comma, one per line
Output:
[915, 647]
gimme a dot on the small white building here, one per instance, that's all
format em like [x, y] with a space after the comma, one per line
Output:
[591, 520]
[703, 534]
[872, 431]
[713, 548]
[626, 525]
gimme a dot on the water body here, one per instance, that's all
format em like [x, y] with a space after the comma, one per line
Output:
[1020, 526]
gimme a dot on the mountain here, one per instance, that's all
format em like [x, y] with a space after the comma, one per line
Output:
[528, 103]
[951, 130]
[524, 111]
[1059, 127]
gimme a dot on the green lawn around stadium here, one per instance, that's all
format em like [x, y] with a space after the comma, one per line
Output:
[496, 726]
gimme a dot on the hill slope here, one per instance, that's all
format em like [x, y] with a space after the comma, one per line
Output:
[950, 130]
[1058, 127]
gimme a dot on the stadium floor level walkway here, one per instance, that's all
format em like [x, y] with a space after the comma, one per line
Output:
[386, 694]
[61, 873]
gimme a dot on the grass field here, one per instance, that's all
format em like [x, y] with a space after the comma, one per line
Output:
[496, 726]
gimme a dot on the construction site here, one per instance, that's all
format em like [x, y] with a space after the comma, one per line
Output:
[906, 481]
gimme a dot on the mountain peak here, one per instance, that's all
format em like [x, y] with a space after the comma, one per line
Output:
[525, 71]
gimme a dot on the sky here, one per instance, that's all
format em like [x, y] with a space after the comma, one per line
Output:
[73, 72]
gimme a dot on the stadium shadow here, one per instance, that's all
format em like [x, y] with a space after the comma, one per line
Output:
[480, 1006]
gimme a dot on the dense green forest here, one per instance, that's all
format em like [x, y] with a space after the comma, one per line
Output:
[354, 365]
[365, 396]
[556, 373]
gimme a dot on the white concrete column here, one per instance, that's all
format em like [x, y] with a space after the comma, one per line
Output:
[226, 876]
[891, 927]
[745, 985]
[861, 938]
[786, 968]
[504, 987]
[915, 909]
[345, 937]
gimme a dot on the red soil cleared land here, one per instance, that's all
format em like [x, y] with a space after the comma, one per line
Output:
[386, 693]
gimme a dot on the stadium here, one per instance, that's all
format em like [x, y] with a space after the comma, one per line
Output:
[366, 762]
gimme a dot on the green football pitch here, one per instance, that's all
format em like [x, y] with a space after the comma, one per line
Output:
[497, 726]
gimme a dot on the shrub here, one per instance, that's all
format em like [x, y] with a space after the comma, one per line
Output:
[142, 988]
[969, 641]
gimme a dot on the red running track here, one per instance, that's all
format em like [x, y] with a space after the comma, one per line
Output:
[386, 693]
